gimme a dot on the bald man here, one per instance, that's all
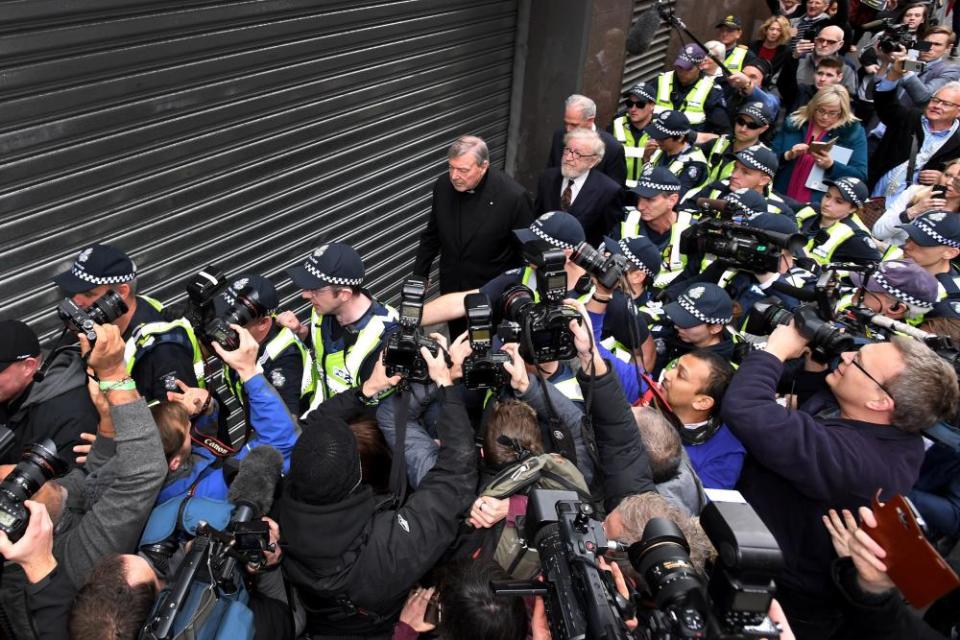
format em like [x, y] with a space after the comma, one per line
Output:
[829, 42]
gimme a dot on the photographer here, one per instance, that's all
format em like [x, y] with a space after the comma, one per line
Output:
[285, 360]
[35, 406]
[163, 351]
[198, 471]
[834, 228]
[916, 89]
[335, 534]
[347, 324]
[816, 458]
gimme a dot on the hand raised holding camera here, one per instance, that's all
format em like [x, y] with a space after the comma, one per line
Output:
[437, 367]
[106, 356]
[519, 380]
[243, 359]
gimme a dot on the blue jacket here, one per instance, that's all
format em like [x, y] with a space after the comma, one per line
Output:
[717, 461]
[799, 466]
[851, 136]
[274, 426]
[633, 385]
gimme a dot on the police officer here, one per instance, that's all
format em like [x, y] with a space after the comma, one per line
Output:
[688, 89]
[728, 32]
[670, 130]
[752, 121]
[655, 217]
[628, 128]
[285, 360]
[347, 324]
[834, 230]
[698, 319]
[753, 168]
[933, 241]
[898, 289]
[158, 351]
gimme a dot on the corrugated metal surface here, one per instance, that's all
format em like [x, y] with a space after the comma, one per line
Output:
[241, 133]
[646, 66]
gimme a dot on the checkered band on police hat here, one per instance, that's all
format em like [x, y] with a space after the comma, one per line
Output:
[540, 233]
[756, 111]
[642, 91]
[81, 273]
[311, 266]
[645, 182]
[103, 258]
[900, 294]
[741, 198]
[749, 157]
[661, 125]
[926, 225]
[847, 189]
[689, 305]
[632, 257]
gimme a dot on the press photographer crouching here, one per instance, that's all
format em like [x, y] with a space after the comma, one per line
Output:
[858, 435]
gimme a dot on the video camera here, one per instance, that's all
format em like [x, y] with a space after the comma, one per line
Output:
[402, 355]
[543, 328]
[482, 369]
[607, 270]
[103, 310]
[38, 464]
[200, 310]
[738, 245]
[735, 600]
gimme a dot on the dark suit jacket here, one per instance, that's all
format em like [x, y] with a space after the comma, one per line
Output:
[598, 206]
[485, 246]
[894, 148]
[614, 163]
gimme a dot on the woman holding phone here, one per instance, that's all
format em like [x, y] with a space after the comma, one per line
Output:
[916, 200]
[808, 137]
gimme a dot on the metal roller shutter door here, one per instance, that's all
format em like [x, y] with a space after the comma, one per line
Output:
[646, 66]
[237, 133]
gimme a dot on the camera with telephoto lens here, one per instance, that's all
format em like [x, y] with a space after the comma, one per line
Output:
[402, 354]
[827, 340]
[201, 313]
[482, 369]
[104, 310]
[738, 245]
[607, 270]
[733, 602]
[38, 464]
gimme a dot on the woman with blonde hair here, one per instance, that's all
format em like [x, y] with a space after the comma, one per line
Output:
[771, 45]
[916, 200]
[827, 117]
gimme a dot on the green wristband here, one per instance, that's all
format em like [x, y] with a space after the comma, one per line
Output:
[123, 384]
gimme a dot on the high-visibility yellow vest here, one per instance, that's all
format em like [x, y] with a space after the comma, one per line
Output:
[694, 104]
[632, 148]
[144, 336]
[277, 345]
[734, 61]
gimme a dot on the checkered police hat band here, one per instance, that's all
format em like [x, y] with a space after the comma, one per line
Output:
[738, 204]
[670, 132]
[689, 307]
[633, 258]
[656, 186]
[927, 228]
[848, 193]
[756, 114]
[81, 273]
[346, 282]
[749, 160]
[899, 294]
[537, 231]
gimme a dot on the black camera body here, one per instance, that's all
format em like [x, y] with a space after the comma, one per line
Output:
[607, 270]
[827, 340]
[895, 35]
[544, 328]
[738, 245]
[482, 369]
[103, 310]
[200, 310]
[38, 464]
[402, 354]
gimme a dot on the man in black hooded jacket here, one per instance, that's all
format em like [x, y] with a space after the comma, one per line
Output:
[353, 558]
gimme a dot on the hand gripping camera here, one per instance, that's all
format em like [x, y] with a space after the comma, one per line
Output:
[200, 311]
[38, 464]
[104, 310]
[402, 355]
[607, 270]
[482, 369]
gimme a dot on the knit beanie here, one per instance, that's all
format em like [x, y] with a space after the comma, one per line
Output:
[325, 463]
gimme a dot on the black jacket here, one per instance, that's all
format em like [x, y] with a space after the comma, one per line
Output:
[598, 206]
[49, 602]
[473, 232]
[779, 57]
[162, 358]
[58, 407]
[370, 557]
[614, 163]
[902, 123]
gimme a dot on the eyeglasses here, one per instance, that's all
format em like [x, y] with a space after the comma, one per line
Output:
[825, 41]
[856, 362]
[830, 114]
[576, 155]
[639, 104]
[936, 100]
[741, 122]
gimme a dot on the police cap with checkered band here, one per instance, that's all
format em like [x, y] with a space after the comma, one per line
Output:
[851, 189]
[557, 228]
[905, 280]
[333, 264]
[700, 303]
[759, 157]
[934, 229]
[668, 124]
[640, 252]
[655, 181]
[96, 265]
[251, 285]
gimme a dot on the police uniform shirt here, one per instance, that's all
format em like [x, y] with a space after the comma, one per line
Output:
[285, 372]
[691, 174]
[336, 337]
[160, 364]
[860, 248]
[716, 164]
[616, 321]
[714, 108]
[950, 281]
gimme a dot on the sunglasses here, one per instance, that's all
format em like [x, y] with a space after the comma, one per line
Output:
[639, 104]
[748, 124]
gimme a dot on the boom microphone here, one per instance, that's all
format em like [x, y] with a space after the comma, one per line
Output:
[253, 488]
[643, 31]
[873, 25]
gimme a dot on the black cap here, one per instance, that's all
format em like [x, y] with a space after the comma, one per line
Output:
[668, 124]
[746, 202]
[639, 251]
[96, 265]
[756, 110]
[851, 189]
[556, 228]
[935, 228]
[335, 263]
[700, 303]
[731, 21]
[642, 91]
[759, 157]
[17, 342]
[246, 283]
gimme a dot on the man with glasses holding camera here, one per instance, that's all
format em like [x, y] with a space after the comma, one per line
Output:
[628, 129]
[159, 351]
[802, 69]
